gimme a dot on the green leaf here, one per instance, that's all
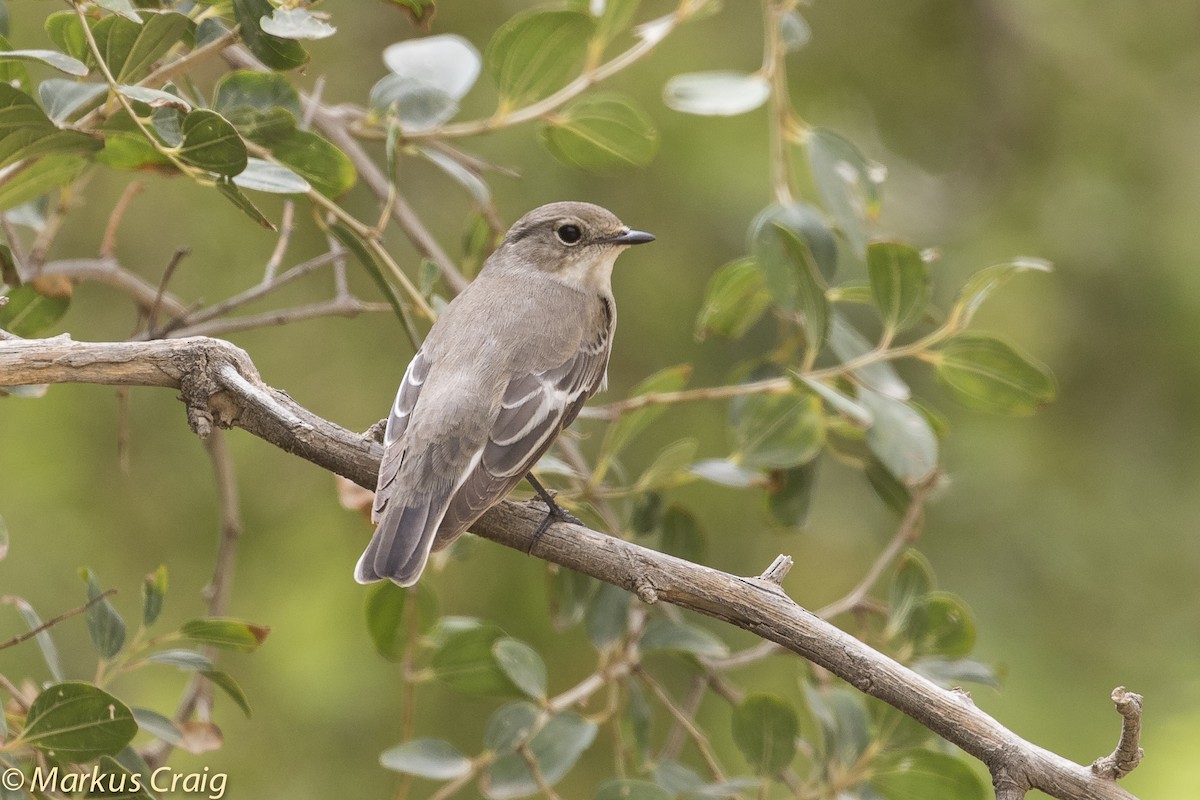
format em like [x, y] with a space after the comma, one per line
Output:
[510, 726]
[844, 722]
[537, 52]
[465, 662]
[676, 778]
[836, 401]
[987, 280]
[638, 715]
[211, 143]
[186, 660]
[159, 34]
[60, 61]
[263, 106]
[911, 584]
[613, 19]
[848, 183]
[901, 438]
[263, 176]
[77, 722]
[122, 7]
[233, 194]
[355, 245]
[416, 105]
[28, 311]
[154, 591]
[718, 93]
[66, 31]
[554, 749]
[777, 431]
[848, 345]
[427, 758]
[789, 494]
[887, 486]
[736, 299]
[926, 775]
[327, 168]
[225, 682]
[631, 425]
[126, 147]
[61, 98]
[797, 255]
[26, 131]
[155, 98]
[682, 535]
[608, 616]
[420, 12]
[627, 789]
[987, 374]
[105, 625]
[899, 283]
[385, 619]
[296, 23]
[765, 729]
[275, 53]
[942, 625]
[42, 637]
[226, 633]
[601, 133]
[670, 635]
[794, 31]
[522, 664]
[158, 726]
[668, 466]
[40, 177]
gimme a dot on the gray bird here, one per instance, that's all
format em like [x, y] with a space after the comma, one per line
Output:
[507, 365]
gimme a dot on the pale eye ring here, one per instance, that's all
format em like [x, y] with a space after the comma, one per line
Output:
[568, 234]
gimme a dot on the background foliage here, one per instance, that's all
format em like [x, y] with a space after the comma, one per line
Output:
[1058, 131]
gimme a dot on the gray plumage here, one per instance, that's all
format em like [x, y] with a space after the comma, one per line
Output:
[507, 365]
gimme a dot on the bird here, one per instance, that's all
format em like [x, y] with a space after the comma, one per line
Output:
[506, 366]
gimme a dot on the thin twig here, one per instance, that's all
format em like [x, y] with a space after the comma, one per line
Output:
[108, 244]
[699, 737]
[347, 307]
[32, 632]
[906, 533]
[152, 314]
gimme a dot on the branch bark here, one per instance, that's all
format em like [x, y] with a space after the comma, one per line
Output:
[220, 386]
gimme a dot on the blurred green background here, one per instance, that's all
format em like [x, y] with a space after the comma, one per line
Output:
[1062, 130]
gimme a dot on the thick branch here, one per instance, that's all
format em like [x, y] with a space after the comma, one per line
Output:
[220, 385]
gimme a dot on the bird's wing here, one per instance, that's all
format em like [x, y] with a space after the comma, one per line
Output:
[535, 407]
[397, 424]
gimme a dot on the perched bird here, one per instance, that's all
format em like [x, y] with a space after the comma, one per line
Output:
[507, 365]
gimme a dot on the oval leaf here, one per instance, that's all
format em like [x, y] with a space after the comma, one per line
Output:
[29, 311]
[105, 625]
[465, 662]
[536, 52]
[601, 134]
[76, 722]
[263, 176]
[188, 660]
[848, 183]
[427, 758]
[718, 93]
[554, 749]
[225, 633]
[447, 62]
[673, 635]
[926, 775]
[225, 682]
[60, 61]
[211, 143]
[296, 23]
[522, 664]
[154, 592]
[986, 281]
[385, 616]
[899, 283]
[326, 167]
[724, 472]
[510, 726]
[417, 105]
[984, 373]
[797, 255]
[765, 730]
[777, 431]
[849, 345]
[736, 298]
[901, 437]
[276, 53]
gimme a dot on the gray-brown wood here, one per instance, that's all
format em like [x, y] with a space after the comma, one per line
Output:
[220, 386]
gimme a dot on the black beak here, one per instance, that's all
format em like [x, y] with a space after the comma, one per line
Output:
[631, 237]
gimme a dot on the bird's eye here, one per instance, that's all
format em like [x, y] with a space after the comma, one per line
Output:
[569, 234]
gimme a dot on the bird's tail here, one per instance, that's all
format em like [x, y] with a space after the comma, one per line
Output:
[400, 547]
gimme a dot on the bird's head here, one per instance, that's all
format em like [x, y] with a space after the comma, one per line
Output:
[576, 243]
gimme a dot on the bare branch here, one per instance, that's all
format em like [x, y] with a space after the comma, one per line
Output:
[1128, 754]
[50, 623]
[221, 387]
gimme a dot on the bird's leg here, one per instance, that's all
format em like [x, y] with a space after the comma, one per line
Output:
[554, 512]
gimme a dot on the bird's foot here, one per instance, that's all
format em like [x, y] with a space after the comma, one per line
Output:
[554, 513]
